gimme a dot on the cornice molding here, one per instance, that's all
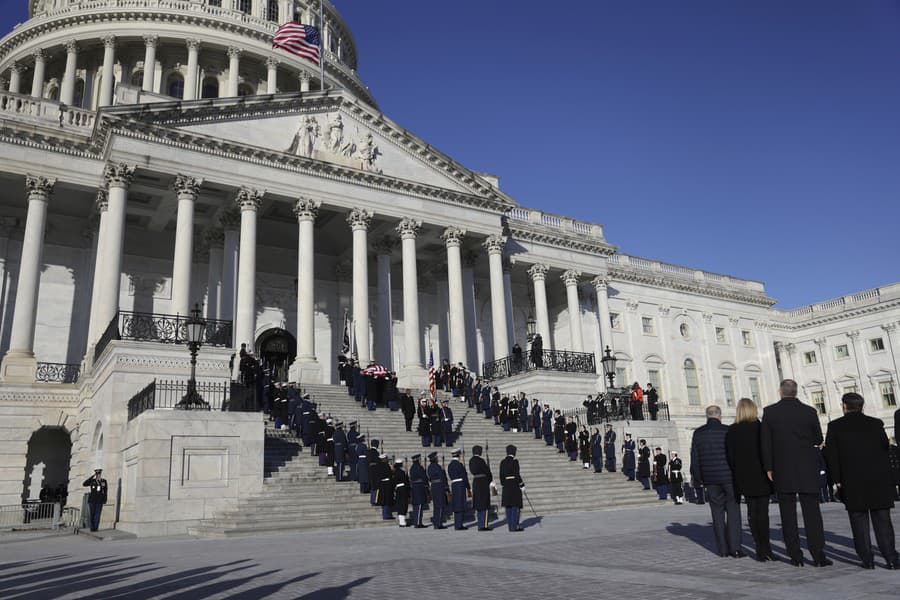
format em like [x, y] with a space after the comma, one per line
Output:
[835, 317]
[617, 273]
[560, 239]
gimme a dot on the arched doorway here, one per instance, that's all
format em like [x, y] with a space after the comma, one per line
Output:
[47, 462]
[276, 349]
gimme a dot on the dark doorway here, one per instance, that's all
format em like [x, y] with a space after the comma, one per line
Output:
[47, 461]
[276, 349]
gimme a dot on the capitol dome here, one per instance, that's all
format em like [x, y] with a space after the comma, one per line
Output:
[93, 53]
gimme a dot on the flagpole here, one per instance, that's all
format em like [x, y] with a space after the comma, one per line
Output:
[322, 42]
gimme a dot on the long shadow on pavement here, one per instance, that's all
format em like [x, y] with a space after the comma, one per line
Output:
[338, 592]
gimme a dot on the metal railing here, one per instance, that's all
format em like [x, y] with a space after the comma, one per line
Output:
[546, 360]
[168, 395]
[109, 334]
[38, 515]
[57, 372]
[165, 329]
[615, 407]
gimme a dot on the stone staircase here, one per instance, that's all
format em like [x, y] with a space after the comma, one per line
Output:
[298, 495]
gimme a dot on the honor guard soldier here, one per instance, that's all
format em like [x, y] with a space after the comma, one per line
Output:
[437, 426]
[609, 447]
[536, 419]
[359, 463]
[384, 481]
[339, 443]
[513, 485]
[96, 497]
[352, 436]
[547, 425]
[401, 493]
[459, 489]
[437, 477]
[447, 422]
[418, 483]
[372, 458]
[481, 487]
[424, 414]
[559, 431]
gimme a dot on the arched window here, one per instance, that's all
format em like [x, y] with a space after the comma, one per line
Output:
[245, 90]
[137, 78]
[210, 88]
[175, 85]
[272, 11]
[244, 6]
[53, 93]
[691, 382]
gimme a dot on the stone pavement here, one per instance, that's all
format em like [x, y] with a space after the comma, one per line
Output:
[656, 552]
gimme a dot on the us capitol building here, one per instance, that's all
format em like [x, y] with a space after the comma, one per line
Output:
[158, 154]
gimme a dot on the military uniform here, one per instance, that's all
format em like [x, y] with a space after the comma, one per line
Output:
[383, 479]
[447, 423]
[481, 487]
[424, 428]
[418, 483]
[96, 497]
[360, 457]
[643, 469]
[437, 477]
[372, 459]
[513, 485]
[660, 479]
[401, 493]
[536, 419]
[547, 425]
[339, 445]
[609, 447]
[459, 489]
[597, 452]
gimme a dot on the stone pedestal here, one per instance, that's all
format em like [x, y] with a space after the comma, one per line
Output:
[18, 367]
[412, 377]
[558, 389]
[305, 372]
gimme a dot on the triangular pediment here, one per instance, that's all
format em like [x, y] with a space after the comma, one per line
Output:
[330, 128]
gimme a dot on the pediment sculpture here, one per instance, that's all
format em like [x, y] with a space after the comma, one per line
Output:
[333, 146]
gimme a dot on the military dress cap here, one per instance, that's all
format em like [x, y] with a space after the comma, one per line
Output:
[329, 420]
[382, 456]
[398, 461]
[416, 456]
[432, 455]
[456, 452]
[306, 396]
[98, 470]
[511, 450]
[361, 438]
[445, 401]
[352, 423]
[476, 450]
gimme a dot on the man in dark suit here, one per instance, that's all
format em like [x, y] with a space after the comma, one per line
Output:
[709, 467]
[790, 437]
[96, 497]
[857, 453]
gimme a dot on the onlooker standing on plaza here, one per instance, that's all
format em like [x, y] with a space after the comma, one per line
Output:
[857, 452]
[750, 480]
[790, 435]
[709, 467]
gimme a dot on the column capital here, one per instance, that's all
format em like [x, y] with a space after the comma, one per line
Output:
[820, 341]
[102, 200]
[600, 282]
[570, 277]
[853, 334]
[249, 199]
[360, 218]
[790, 347]
[409, 228]
[272, 62]
[538, 272]
[151, 40]
[304, 76]
[230, 217]
[38, 187]
[118, 174]
[214, 236]
[109, 41]
[39, 54]
[306, 209]
[234, 52]
[494, 244]
[192, 43]
[889, 327]
[779, 346]
[71, 47]
[385, 245]
[185, 186]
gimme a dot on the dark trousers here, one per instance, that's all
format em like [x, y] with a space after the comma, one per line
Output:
[758, 519]
[97, 508]
[812, 521]
[512, 517]
[417, 514]
[726, 517]
[645, 481]
[409, 420]
[482, 519]
[884, 533]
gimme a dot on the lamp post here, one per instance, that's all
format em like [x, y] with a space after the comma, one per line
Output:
[609, 367]
[530, 327]
[195, 326]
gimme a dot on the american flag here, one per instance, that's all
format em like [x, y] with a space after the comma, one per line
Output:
[432, 386]
[301, 40]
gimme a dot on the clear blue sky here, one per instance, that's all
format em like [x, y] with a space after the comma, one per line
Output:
[757, 138]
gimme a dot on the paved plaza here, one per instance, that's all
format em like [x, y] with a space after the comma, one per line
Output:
[656, 552]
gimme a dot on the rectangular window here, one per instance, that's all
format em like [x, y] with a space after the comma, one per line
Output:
[728, 385]
[818, 400]
[615, 321]
[876, 345]
[647, 325]
[841, 351]
[809, 358]
[693, 386]
[747, 337]
[653, 379]
[720, 335]
[621, 376]
[888, 399]
[754, 390]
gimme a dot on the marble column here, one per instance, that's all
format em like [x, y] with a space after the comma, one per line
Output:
[304, 81]
[787, 371]
[40, 66]
[15, 78]
[231, 223]
[108, 77]
[248, 200]
[570, 278]
[411, 372]
[193, 70]
[214, 239]
[118, 178]
[272, 75]
[150, 42]
[600, 283]
[508, 300]
[359, 220]
[470, 259]
[234, 64]
[186, 188]
[538, 273]
[94, 327]
[19, 363]
[494, 245]
[306, 368]
[453, 237]
[67, 89]
[384, 346]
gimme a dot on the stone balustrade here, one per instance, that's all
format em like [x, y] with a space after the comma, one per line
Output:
[45, 110]
[529, 216]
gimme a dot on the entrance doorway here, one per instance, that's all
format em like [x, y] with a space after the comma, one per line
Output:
[276, 349]
[47, 462]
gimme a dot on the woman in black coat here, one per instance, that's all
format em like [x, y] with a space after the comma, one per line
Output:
[643, 466]
[597, 450]
[742, 445]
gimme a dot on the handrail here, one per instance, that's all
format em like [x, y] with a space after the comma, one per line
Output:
[547, 360]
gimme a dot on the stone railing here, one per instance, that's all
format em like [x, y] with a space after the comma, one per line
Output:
[539, 218]
[53, 113]
[624, 262]
[835, 305]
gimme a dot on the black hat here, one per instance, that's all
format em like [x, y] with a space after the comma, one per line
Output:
[511, 450]
[416, 456]
[360, 438]
[432, 455]
[476, 450]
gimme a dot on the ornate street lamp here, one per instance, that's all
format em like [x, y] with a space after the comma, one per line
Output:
[530, 327]
[195, 326]
[609, 367]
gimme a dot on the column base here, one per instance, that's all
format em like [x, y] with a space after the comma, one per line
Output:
[305, 371]
[414, 377]
[18, 367]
